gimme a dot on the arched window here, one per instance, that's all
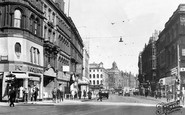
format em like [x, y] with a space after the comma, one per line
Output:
[18, 49]
[17, 18]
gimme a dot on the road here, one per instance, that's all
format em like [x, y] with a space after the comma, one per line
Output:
[113, 106]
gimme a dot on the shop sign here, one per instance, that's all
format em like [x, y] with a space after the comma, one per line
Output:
[35, 70]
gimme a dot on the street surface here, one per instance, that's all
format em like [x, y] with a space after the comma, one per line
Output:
[115, 105]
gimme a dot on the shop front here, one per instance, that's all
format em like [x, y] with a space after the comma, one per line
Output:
[83, 84]
[49, 83]
[26, 76]
[63, 82]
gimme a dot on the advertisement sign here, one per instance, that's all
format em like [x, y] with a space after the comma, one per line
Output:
[65, 68]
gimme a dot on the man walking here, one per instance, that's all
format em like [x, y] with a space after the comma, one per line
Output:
[12, 96]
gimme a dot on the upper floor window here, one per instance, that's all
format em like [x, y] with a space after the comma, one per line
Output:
[101, 76]
[93, 75]
[17, 18]
[90, 75]
[35, 55]
[97, 75]
[18, 49]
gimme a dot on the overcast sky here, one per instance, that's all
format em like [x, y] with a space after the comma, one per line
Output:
[102, 22]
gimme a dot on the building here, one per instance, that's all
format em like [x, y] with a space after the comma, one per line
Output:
[63, 48]
[47, 48]
[21, 44]
[170, 53]
[147, 65]
[98, 76]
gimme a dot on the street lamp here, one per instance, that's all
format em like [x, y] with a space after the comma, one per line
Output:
[11, 79]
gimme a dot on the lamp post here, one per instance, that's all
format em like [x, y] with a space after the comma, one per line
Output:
[11, 79]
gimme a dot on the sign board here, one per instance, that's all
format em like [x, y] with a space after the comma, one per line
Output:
[66, 68]
[174, 71]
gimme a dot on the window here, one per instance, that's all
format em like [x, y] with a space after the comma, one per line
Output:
[90, 82]
[35, 55]
[18, 49]
[101, 82]
[93, 82]
[101, 76]
[97, 75]
[97, 82]
[17, 18]
[90, 75]
[93, 70]
[35, 27]
[97, 70]
[93, 75]
[89, 70]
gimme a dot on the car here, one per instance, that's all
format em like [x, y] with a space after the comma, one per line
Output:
[105, 94]
[127, 93]
[120, 92]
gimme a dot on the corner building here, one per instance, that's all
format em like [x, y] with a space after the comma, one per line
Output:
[21, 44]
[171, 52]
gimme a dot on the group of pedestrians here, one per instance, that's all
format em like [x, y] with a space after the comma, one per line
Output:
[24, 94]
[58, 95]
[81, 94]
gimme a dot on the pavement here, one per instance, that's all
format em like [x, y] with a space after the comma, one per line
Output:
[87, 101]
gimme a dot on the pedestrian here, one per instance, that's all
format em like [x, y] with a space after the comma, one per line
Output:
[54, 94]
[12, 96]
[32, 90]
[62, 95]
[84, 94]
[79, 94]
[183, 96]
[168, 96]
[25, 95]
[58, 95]
[89, 94]
[36, 92]
[99, 95]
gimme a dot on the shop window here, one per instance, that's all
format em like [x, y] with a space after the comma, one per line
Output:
[17, 18]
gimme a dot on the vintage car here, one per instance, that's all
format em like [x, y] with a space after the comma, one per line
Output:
[105, 94]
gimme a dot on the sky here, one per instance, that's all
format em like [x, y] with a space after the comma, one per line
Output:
[101, 23]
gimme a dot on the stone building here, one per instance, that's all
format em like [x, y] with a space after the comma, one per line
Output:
[170, 53]
[21, 44]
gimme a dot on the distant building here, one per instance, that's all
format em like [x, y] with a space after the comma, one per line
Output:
[147, 64]
[97, 76]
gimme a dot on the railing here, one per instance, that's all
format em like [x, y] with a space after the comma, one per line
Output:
[168, 108]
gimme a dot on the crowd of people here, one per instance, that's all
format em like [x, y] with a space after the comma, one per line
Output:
[23, 94]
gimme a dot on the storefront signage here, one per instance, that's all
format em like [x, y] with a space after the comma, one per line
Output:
[35, 70]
